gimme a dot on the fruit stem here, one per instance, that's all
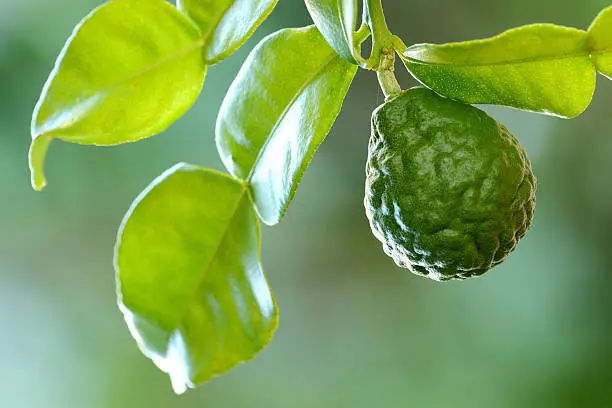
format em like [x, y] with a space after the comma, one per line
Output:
[386, 74]
[382, 57]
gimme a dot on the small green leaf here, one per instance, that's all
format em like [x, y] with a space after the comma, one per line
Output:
[130, 69]
[541, 68]
[599, 42]
[190, 281]
[336, 20]
[226, 24]
[277, 111]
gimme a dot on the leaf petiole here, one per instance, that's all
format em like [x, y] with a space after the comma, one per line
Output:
[360, 36]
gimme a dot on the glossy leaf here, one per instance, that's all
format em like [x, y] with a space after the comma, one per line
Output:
[600, 42]
[226, 24]
[130, 69]
[277, 112]
[191, 286]
[336, 21]
[541, 68]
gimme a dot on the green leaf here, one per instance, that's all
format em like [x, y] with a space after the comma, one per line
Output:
[277, 111]
[190, 281]
[599, 42]
[130, 69]
[226, 24]
[541, 68]
[336, 20]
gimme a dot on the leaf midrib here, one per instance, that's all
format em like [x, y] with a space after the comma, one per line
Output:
[107, 89]
[199, 43]
[282, 116]
[518, 61]
[204, 275]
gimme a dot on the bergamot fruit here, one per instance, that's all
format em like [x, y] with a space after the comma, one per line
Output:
[449, 191]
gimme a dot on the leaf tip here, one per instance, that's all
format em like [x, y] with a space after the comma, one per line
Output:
[178, 388]
[36, 156]
[167, 350]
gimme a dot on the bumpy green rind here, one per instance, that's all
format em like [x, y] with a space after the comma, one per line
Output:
[449, 191]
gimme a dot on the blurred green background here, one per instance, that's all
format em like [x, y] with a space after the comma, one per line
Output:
[355, 330]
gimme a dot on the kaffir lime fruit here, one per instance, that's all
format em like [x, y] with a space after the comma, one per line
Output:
[449, 191]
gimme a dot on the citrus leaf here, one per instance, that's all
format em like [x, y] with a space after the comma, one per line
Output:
[599, 42]
[226, 24]
[277, 111]
[190, 282]
[130, 69]
[336, 20]
[541, 68]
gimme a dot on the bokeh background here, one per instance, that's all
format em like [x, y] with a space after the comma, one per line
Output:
[355, 330]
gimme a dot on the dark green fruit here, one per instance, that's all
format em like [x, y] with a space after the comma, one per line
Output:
[449, 191]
